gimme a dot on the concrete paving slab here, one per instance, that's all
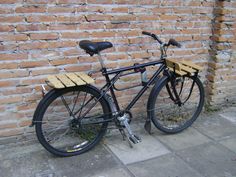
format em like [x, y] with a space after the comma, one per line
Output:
[43, 164]
[150, 147]
[120, 172]
[229, 114]
[188, 138]
[210, 159]
[214, 127]
[230, 143]
[164, 166]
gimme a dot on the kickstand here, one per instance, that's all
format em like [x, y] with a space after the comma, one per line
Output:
[147, 126]
[124, 136]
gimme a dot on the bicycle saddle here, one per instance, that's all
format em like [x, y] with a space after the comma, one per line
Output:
[94, 47]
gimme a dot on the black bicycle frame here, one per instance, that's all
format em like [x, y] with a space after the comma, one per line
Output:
[109, 86]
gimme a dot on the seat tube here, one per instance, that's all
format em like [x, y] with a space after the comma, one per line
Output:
[104, 72]
[101, 61]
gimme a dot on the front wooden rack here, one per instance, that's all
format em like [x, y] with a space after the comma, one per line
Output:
[182, 67]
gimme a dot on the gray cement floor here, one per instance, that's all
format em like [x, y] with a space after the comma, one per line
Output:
[207, 149]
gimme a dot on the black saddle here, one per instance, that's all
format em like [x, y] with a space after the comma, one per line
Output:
[94, 47]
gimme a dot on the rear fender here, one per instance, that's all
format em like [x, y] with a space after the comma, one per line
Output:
[53, 91]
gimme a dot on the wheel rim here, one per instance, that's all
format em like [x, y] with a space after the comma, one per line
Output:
[173, 116]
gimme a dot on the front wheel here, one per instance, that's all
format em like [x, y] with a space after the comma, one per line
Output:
[171, 115]
[71, 121]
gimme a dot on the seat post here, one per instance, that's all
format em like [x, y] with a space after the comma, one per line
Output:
[100, 60]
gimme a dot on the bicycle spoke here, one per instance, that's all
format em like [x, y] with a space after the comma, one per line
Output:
[82, 105]
[75, 102]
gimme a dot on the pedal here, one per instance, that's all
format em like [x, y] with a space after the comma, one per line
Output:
[135, 139]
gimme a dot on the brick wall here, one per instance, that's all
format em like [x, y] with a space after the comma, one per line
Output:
[221, 67]
[40, 37]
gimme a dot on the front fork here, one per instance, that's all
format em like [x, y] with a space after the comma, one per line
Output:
[173, 92]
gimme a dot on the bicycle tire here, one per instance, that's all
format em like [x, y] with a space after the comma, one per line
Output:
[160, 97]
[90, 134]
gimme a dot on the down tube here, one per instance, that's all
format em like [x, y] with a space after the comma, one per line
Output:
[140, 93]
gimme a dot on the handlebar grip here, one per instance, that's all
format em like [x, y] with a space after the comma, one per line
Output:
[153, 36]
[174, 43]
[146, 33]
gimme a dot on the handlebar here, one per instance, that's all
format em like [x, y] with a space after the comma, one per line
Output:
[153, 36]
[174, 43]
[171, 41]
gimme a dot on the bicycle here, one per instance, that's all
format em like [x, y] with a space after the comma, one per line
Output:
[72, 120]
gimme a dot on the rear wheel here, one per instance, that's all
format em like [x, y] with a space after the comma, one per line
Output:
[171, 116]
[71, 120]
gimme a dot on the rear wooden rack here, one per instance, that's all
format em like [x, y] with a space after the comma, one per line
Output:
[182, 67]
[69, 80]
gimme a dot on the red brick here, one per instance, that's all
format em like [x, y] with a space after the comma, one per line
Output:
[40, 1]
[91, 25]
[69, 19]
[33, 64]
[126, 2]
[99, 2]
[8, 65]
[62, 27]
[120, 9]
[10, 1]
[74, 35]
[71, 1]
[61, 9]
[11, 99]
[78, 68]
[34, 45]
[13, 56]
[45, 71]
[26, 106]
[13, 74]
[62, 44]
[97, 17]
[9, 83]
[30, 9]
[7, 125]
[13, 37]
[8, 47]
[64, 61]
[6, 10]
[45, 36]
[11, 19]
[41, 18]
[25, 123]
[17, 90]
[31, 27]
[103, 34]
[6, 28]
[10, 132]
[169, 17]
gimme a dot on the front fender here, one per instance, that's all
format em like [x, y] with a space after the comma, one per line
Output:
[158, 82]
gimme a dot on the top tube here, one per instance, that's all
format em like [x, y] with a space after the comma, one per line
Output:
[115, 71]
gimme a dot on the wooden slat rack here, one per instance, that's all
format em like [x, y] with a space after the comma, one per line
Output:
[69, 80]
[182, 67]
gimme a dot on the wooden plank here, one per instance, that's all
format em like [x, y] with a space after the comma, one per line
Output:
[55, 82]
[187, 69]
[181, 73]
[65, 80]
[192, 65]
[173, 64]
[85, 77]
[75, 79]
